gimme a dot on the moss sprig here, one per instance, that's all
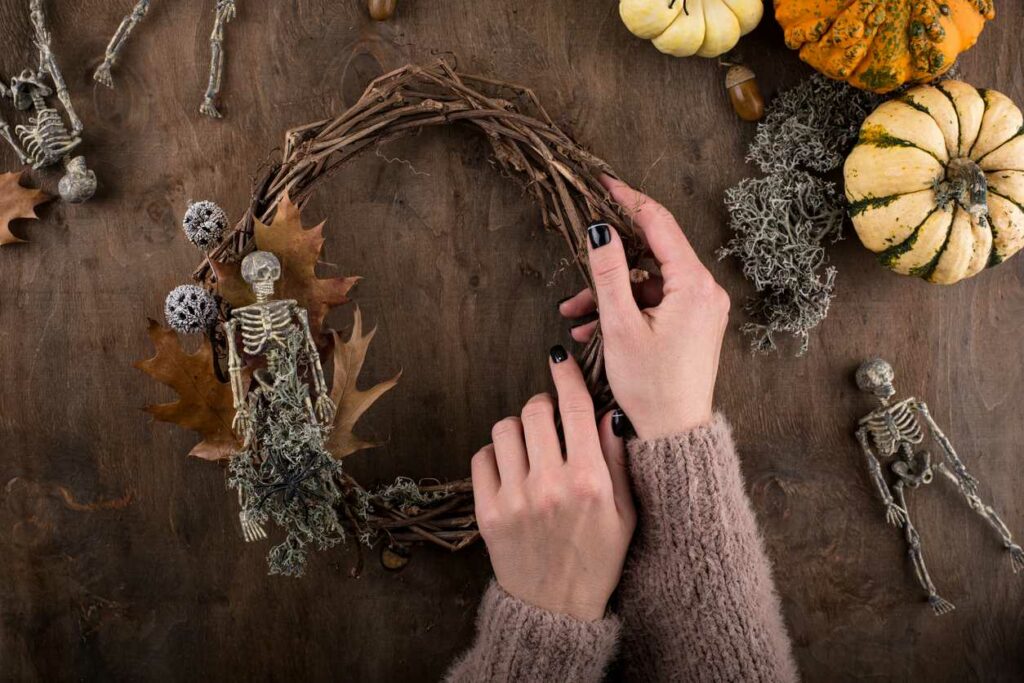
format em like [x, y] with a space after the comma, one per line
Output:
[782, 221]
[780, 224]
[813, 125]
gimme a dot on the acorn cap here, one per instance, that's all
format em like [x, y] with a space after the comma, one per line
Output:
[738, 74]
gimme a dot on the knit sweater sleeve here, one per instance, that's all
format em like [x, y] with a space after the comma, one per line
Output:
[697, 599]
[516, 641]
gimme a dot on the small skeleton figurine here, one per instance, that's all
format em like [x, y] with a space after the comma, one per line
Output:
[225, 12]
[892, 431]
[283, 471]
[117, 43]
[46, 140]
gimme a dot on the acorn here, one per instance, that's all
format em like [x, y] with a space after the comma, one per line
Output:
[394, 557]
[382, 10]
[744, 93]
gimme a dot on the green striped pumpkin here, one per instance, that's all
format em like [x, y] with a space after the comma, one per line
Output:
[936, 181]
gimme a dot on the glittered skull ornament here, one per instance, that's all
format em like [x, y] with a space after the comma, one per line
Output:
[875, 376]
[261, 269]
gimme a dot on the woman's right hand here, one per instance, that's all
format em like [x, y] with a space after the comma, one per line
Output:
[662, 341]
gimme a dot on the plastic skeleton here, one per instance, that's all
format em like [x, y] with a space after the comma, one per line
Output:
[225, 12]
[893, 431]
[265, 328]
[46, 139]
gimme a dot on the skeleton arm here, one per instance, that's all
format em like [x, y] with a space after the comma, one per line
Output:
[225, 13]
[118, 41]
[894, 514]
[48, 64]
[968, 483]
[5, 128]
[325, 407]
[241, 421]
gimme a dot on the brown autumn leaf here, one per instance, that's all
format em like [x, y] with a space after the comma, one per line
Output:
[204, 404]
[350, 401]
[298, 249]
[16, 202]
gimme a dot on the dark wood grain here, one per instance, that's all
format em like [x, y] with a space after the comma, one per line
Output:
[120, 559]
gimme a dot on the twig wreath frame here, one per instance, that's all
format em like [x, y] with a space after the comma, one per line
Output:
[527, 145]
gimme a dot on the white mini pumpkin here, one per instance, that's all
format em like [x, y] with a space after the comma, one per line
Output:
[682, 28]
[936, 181]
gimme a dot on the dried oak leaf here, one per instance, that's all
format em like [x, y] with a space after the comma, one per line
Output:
[350, 401]
[298, 249]
[16, 202]
[204, 404]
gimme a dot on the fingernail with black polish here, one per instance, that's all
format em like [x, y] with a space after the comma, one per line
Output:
[600, 234]
[559, 354]
[620, 423]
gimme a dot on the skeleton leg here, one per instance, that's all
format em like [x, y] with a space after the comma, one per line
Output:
[939, 605]
[117, 43]
[48, 64]
[225, 13]
[989, 515]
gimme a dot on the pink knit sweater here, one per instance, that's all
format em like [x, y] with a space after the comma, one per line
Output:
[696, 601]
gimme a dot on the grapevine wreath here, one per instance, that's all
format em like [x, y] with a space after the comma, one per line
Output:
[526, 144]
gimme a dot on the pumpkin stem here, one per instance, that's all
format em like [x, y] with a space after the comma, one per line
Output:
[965, 184]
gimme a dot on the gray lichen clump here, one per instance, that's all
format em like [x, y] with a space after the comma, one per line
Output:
[204, 224]
[782, 221]
[813, 125]
[285, 472]
[190, 309]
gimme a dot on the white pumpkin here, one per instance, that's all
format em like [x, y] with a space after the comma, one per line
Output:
[936, 181]
[682, 28]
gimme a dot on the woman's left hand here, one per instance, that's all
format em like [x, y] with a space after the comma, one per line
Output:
[557, 526]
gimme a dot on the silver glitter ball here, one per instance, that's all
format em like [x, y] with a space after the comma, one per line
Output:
[204, 224]
[190, 309]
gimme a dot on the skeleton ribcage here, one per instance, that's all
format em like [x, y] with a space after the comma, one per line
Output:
[46, 139]
[891, 427]
[264, 325]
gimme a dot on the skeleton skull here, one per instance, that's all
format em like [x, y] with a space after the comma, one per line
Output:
[23, 87]
[261, 270]
[875, 376]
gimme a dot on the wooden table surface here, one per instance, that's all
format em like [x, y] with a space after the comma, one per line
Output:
[120, 558]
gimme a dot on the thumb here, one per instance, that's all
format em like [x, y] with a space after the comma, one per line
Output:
[614, 449]
[611, 276]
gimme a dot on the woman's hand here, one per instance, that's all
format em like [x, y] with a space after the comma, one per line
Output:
[662, 338]
[557, 526]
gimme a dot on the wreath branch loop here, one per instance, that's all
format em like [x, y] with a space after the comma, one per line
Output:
[526, 144]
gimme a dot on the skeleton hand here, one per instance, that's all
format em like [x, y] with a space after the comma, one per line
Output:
[325, 410]
[895, 515]
[968, 483]
[228, 8]
[242, 422]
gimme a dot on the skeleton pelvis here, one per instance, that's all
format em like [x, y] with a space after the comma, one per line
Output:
[916, 473]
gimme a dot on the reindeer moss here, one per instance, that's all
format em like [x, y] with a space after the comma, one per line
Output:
[813, 125]
[782, 221]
